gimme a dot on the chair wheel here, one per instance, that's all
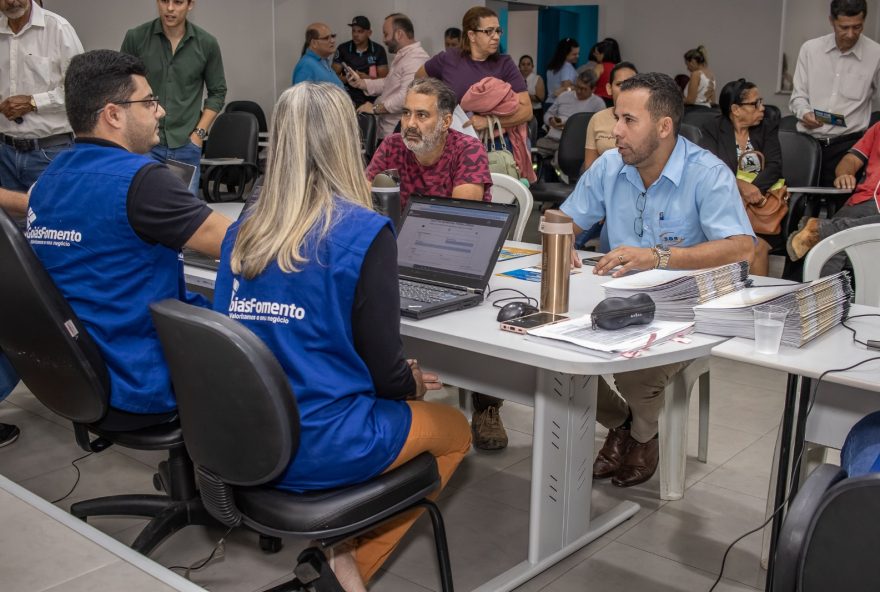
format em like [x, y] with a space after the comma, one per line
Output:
[270, 544]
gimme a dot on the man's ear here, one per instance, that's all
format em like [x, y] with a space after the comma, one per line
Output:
[447, 121]
[666, 127]
[112, 116]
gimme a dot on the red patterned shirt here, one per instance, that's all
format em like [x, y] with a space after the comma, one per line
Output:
[463, 161]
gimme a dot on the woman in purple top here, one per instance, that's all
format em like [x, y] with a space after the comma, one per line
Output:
[476, 59]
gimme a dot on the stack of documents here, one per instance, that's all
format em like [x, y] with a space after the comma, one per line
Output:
[813, 309]
[676, 292]
[579, 332]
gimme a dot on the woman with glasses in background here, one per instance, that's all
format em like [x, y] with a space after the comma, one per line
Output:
[746, 139]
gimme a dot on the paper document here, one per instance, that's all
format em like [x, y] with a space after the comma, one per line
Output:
[580, 332]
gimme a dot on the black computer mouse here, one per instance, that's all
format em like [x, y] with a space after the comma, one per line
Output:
[515, 310]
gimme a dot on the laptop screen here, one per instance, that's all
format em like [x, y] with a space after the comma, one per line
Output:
[452, 241]
[181, 170]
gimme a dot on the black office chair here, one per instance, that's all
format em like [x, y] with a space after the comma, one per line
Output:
[570, 157]
[875, 117]
[253, 108]
[369, 135]
[829, 539]
[788, 123]
[241, 424]
[801, 167]
[58, 361]
[691, 132]
[700, 117]
[233, 136]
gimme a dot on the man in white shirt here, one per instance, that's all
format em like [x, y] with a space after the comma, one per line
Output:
[399, 37]
[35, 47]
[837, 73]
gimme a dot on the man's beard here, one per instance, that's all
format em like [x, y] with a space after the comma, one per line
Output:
[15, 13]
[638, 155]
[425, 142]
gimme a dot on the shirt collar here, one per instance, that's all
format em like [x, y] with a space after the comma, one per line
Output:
[409, 47]
[831, 45]
[672, 170]
[158, 30]
[98, 142]
[38, 19]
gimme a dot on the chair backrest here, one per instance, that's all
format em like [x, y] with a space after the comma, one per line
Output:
[875, 117]
[772, 113]
[237, 410]
[691, 132]
[234, 135]
[571, 145]
[700, 117]
[506, 189]
[862, 246]
[43, 338]
[369, 137]
[801, 159]
[840, 551]
[794, 532]
[788, 123]
[250, 107]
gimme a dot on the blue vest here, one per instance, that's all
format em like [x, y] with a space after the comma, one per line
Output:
[348, 434]
[78, 226]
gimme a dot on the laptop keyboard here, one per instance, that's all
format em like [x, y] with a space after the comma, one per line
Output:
[427, 293]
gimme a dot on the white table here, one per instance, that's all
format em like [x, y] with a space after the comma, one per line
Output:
[835, 349]
[468, 350]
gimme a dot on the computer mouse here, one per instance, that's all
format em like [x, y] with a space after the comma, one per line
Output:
[515, 310]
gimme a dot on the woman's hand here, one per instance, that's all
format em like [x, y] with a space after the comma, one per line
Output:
[479, 122]
[749, 193]
[425, 381]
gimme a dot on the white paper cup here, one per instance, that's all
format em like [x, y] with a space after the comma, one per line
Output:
[769, 323]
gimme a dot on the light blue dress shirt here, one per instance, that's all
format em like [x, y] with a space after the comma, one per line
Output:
[694, 200]
[312, 68]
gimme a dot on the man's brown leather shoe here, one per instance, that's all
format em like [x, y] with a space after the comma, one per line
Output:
[639, 464]
[800, 242]
[608, 462]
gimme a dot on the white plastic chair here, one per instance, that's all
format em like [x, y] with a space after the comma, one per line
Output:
[673, 427]
[506, 189]
[862, 246]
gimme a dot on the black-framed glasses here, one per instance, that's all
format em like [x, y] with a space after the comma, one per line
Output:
[154, 99]
[327, 37]
[489, 31]
[757, 103]
[639, 222]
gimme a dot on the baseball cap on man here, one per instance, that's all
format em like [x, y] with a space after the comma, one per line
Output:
[360, 21]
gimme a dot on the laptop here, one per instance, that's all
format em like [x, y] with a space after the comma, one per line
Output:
[181, 170]
[446, 251]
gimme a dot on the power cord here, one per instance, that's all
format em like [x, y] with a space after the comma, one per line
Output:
[521, 296]
[219, 551]
[78, 474]
[797, 462]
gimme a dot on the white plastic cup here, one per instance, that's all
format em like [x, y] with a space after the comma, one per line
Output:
[769, 323]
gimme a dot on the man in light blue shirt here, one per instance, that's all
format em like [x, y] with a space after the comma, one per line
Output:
[667, 204]
[314, 65]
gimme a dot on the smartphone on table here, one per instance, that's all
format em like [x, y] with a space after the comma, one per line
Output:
[532, 321]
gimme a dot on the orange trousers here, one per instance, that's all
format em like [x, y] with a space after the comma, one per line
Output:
[439, 429]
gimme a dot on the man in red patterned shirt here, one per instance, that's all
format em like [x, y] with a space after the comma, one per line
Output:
[430, 158]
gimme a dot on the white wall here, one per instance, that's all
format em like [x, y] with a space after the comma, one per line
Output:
[522, 35]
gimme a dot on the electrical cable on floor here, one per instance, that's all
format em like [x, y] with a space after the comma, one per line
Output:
[797, 462]
[75, 483]
[219, 547]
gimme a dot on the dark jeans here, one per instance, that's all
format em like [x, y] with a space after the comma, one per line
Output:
[846, 217]
[20, 169]
[831, 155]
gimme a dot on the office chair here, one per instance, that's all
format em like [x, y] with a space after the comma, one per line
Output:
[788, 123]
[699, 117]
[369, 137]
[690, 132]
[233, 136]
[829, 538]
[241, 424]
[56, 358]
[506, 189]
[801, 167]
[253, 108]
[570, 157]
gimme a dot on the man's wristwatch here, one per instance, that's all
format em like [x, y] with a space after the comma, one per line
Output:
[33, 103]
[662, 256]
[202, 133]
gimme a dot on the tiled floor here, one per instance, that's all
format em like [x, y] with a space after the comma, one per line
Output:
[667, 546]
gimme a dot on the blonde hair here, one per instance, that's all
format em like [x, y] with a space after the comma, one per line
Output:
[314, 157]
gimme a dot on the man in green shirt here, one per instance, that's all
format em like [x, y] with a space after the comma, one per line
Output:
[182, 60]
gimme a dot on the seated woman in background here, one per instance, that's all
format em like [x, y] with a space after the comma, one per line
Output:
[313, 239]
[607, 54]
[535, 84]
[582, 100]
[560, 70]
[701, 88]
[734, 136]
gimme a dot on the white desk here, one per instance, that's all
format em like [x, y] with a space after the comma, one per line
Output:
[468, 350]
[46, 548]
[836, 349]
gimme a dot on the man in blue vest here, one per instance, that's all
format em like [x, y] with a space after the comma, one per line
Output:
[108, 223]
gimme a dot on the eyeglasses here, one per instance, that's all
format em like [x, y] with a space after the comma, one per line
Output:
[639, 223]
[154, 99]
[756, 103]
[326, 37]
[491, 31]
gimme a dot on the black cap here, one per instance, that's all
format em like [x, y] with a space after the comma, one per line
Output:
[360, 21]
